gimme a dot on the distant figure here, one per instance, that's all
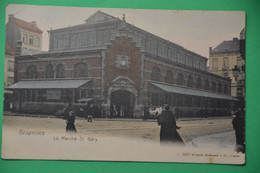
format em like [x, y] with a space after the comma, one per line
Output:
[146, 113]
[70, 123]
[67, 109]
[90, 113]
[115, 113]
[239, 127]
[169, 128]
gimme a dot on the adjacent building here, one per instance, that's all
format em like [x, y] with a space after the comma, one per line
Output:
[227, 57]
[123, 68]
[26, 32]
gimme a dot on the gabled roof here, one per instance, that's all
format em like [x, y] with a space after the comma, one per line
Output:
[9, 50]
[27, 26]
[228, 46]
[99, 16]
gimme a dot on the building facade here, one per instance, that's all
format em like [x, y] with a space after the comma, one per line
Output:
[121, 66]
[27, 32]
[225, 57]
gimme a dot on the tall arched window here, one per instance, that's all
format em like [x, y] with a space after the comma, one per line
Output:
[199, 83]
[49, 71]
[219, 87]
[206, 85]
[169, 77]
[156, 74]
[31, 72]
[81, 70]
[60, 71]
[180, 79]
[190, 81]
[213, 86]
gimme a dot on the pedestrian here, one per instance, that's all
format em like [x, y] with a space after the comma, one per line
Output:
[239, 127]
[70, 123]
[168, 132]
[90, 113]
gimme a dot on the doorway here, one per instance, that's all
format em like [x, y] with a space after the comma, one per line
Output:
[122, 104]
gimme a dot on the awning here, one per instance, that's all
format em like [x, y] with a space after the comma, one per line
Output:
[193, 92]
[49, 84]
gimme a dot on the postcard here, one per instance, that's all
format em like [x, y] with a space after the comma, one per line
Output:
[124, 85]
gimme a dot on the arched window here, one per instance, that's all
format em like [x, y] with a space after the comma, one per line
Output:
[225, 89]
[213, 86]
[60, 71]
[199, 83]
[49, 71]
[190, 81]
[219, 87]
[81, 70]
[156, 74]
[180, 79]
[206, 85]
[169, 77]
[31, 72]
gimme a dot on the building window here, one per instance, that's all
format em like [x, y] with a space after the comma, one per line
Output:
[225, 63]
[49, 71]
[60, 71]
[180, 79]
[206, 85]
[81, 70]
[156, 74]
[25, 38]
[219, 87]
[213, 86]
[31, 72]
[169, 77]
[37, 42]
[225, 89]
[199, 83]
[215, 63]
[103, 36]
[190, 81]
[31, 40]
[53, 94]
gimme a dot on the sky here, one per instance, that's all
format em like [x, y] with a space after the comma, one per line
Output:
[194, 30]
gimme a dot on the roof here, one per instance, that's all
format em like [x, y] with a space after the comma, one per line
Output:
[9, 50]
[49, 84]
[228, 46]
[193, 92]
[27, 26]
[100, 16]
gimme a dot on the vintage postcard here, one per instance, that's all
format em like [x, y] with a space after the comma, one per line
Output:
[124, 85]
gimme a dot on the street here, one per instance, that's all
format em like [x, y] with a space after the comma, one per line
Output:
[128, 128]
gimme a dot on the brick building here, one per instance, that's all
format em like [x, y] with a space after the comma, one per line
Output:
[122, 67]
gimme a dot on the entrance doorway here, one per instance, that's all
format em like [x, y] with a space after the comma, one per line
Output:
[122, 104]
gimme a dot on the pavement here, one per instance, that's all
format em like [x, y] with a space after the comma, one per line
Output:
[220, 140]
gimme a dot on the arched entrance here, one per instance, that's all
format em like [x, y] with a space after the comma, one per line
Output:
[122, 104]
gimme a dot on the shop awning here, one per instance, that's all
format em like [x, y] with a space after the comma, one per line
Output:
[49, 84]
[192, 92]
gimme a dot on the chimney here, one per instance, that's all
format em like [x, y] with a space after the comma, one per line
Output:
[34, 23]
[235, 39]
[11, 17]
[210, 49]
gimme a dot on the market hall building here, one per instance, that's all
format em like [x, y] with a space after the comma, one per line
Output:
[122, 67]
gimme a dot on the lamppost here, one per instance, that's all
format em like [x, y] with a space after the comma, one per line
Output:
[240, 83]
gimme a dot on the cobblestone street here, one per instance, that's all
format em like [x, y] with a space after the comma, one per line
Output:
[128, 128]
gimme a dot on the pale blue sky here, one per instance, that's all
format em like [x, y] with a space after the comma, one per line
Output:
[194, 30]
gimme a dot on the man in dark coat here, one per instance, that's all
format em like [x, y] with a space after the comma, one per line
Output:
[169, 128]
[239, 127]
